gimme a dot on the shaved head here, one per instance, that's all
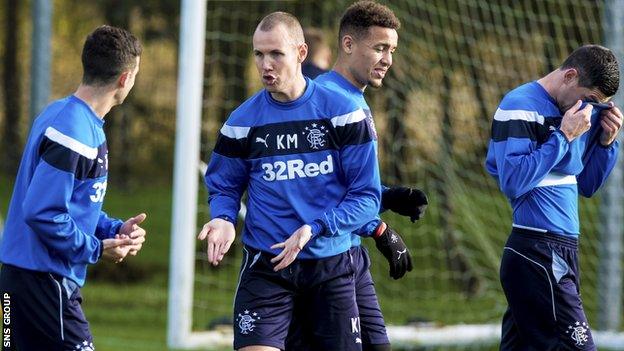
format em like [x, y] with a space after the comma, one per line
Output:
[290, 22]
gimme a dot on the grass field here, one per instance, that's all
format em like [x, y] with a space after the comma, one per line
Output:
[126, 303]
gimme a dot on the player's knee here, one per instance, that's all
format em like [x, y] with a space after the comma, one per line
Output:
[378, 347]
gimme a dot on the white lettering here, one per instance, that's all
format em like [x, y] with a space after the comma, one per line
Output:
[355, 325]
[291, 138]
[292, 169]
[280, 139]
[295, 166]
[100, 192]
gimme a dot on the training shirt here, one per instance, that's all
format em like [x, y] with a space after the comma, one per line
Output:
[308, 161]
[55, 220]
[539, 171]
[336, 82]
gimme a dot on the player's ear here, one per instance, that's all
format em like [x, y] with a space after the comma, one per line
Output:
[570, 75]
[346, 42]
[123, 79]
[302, 52]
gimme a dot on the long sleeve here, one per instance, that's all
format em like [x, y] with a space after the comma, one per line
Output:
[358, 161]
[107, 227]
[513, 156]
[598, 163]
[227, 175]
[46, 209]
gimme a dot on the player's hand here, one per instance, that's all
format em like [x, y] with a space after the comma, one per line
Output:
[611, 123]
[131, 229]
[405, 201]
[221, 234]
[576, 121]
[292, 246]
[116, 249]
[393, 248]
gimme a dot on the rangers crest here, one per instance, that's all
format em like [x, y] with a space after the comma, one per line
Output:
[315, 135]
[578, 333]
[84, 346]
[246, 321]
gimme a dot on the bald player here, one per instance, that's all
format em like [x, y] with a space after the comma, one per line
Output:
[307, 159]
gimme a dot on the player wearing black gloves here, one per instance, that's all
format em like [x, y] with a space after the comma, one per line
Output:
[390, 244]
[405, 201]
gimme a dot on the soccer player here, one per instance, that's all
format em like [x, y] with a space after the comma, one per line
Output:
[367, 40]
[308, 161]
[55, 225]
[548, 146]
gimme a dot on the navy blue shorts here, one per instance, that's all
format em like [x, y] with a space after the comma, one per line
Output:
[540, 277]
[43, 312]
[371, 322]
[265, 301]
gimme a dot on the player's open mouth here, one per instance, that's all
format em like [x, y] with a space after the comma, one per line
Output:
[269, 80]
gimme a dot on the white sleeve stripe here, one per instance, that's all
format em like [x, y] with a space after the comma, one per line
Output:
[351, 117]
[235, 132]
[71, 143]
[552, 179]
[522, 115]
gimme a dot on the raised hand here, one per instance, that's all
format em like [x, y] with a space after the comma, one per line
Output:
[220, 234]
[132, 230]
[611, 123]
[410, 202]
[116, 249]
[292, 246]
[576, 121]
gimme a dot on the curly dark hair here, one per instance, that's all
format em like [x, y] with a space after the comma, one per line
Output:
[364, 14]
[597, 67]
[107, 52]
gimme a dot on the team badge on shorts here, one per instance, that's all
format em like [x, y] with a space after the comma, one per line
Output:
[84, 346]
[578, 333]
[247, 321]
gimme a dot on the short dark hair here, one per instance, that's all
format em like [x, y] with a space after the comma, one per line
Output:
[597, 67]
[290, 21]
[364, 14]
[107, 52]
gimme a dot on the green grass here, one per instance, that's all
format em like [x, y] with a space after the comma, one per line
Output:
[126, 303]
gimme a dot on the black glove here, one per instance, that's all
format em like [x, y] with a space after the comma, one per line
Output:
[405, 201]
[393, 248]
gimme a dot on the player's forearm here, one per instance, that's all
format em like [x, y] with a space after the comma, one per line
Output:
[601, 162]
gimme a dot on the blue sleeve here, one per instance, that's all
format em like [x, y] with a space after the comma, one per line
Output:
[358, 161]
[598, 164]
[514, 157]
[107, 227]
[46, 211]
[226, 178]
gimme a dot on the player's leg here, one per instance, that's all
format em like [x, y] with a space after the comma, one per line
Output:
[528, 287]
[76, 333]
[542, 296]
[35, 309]
[573, 328]
[263, 304]
[333, 312]
[373, 326]
[299, 339]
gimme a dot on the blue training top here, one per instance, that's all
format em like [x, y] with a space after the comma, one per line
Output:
[55, 220]
[538, 170]
[309, 161]
[336, 82]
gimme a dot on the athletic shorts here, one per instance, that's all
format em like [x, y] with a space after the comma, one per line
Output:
[540, 277]
[371, 322]
[42, 312]
[265, 301]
